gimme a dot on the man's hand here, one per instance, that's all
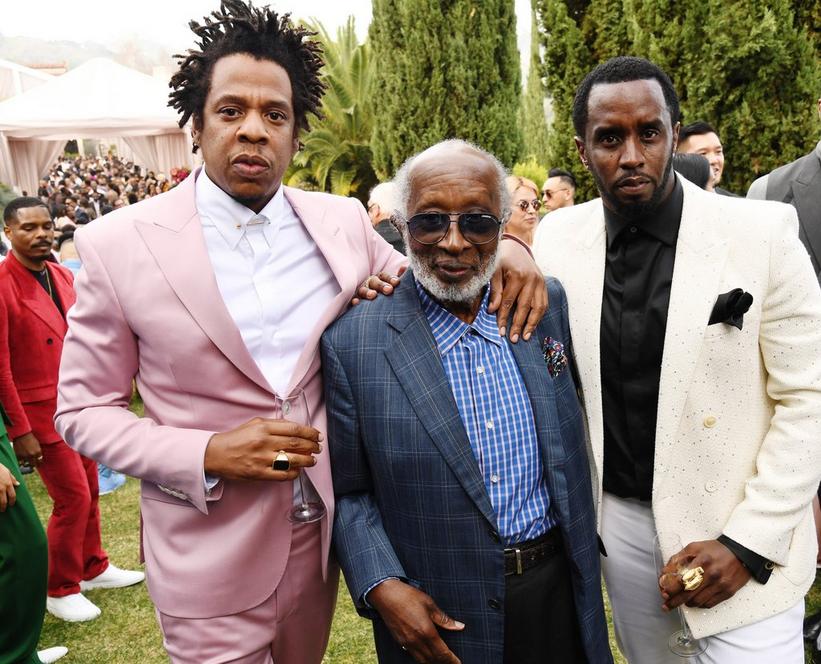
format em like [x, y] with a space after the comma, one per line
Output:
[518, 281]
[8, 482]
[28, 451]
[248, 452]
[412, 617]
[377, 283]
[724, 575]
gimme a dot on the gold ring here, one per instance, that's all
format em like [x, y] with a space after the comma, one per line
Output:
[692, 578]
[281, 462]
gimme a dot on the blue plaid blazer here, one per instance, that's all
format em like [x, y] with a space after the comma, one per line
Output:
[410, 500]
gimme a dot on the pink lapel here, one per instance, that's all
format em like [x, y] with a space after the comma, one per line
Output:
[33, 297]
[174, 237]
[324, 228]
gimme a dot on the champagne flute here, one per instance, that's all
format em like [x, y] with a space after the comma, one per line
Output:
[294, 407]
[681, 642]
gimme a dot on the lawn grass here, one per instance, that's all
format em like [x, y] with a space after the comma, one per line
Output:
[127, 631]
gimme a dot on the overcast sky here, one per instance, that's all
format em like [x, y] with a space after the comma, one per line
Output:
[166, 21]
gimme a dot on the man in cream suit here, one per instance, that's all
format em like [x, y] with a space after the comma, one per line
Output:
[697, 328]
[213, 298]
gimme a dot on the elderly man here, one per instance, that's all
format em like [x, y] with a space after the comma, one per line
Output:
[213, 297]
[702, 383]
[458, 459]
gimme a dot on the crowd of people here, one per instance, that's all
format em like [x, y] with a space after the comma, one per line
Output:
[512, 409]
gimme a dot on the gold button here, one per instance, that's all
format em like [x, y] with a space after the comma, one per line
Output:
[769, 565]
[710, 421]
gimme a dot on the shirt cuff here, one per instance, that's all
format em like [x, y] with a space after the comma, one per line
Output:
[758, 566]
[365, 594]
[210, 481]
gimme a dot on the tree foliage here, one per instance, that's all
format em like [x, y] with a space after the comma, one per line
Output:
[749, 67]
[447, 69]
[336, 154]
[532, 111]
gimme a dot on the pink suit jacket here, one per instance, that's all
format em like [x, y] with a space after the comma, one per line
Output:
[149, 309]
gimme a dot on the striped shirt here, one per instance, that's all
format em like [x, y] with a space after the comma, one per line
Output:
[495, 409]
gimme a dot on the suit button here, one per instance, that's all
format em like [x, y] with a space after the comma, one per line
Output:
[494, 536]
[49, 341]
[710, 487]
[494, 603]
[710, 421]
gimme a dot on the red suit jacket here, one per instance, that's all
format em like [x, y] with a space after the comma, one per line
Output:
[31, 342]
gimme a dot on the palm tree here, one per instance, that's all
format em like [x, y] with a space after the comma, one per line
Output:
[336, 156]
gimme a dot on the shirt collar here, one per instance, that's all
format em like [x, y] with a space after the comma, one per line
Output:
[230, 217]
[448, 330]
[662, 224]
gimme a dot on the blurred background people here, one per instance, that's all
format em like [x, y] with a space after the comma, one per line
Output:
[701, 138]
[524, 208]
[381, 204]
[559, 189]
[694, 167]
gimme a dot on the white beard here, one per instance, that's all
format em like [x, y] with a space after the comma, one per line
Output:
[460, 293]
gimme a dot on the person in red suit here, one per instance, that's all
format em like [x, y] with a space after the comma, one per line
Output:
[35, 295]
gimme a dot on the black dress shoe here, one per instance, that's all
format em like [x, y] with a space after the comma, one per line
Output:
[812, 627]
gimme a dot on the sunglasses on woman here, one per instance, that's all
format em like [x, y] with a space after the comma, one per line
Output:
[475, 227]
[536, 204]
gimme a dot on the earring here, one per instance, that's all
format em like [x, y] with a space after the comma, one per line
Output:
[194, 147]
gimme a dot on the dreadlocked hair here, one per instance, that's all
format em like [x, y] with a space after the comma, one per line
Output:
[239, 27]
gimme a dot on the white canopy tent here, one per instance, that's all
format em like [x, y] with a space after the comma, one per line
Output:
[98, 99]
[15, 79]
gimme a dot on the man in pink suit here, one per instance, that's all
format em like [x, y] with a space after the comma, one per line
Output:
[213, 297]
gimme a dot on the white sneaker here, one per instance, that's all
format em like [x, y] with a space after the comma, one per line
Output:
[50, 655]
[72, 608]
[113, 577]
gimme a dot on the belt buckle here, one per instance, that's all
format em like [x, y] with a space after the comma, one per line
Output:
[518, 553]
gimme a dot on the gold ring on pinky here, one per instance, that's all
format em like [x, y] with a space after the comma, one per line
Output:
[281, 462]
[692, 578]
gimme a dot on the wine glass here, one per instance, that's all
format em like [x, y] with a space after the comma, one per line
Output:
[681, 642]
[306, 509]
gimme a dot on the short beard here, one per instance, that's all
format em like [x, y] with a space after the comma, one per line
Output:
[464, 293]
[640, 209]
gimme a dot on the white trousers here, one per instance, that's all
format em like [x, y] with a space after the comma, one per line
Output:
[642, 628]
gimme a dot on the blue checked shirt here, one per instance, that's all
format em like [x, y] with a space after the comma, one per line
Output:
[495, 409]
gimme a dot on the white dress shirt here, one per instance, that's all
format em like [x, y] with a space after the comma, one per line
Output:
[274, 280]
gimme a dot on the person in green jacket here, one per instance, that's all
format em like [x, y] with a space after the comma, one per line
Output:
[23, 566]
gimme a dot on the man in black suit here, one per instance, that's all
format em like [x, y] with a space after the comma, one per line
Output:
[381, 204]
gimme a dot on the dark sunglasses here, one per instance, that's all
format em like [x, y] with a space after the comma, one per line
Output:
[535, 203]
[431, 227]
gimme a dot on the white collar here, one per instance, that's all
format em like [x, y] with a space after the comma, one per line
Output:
[230, 217]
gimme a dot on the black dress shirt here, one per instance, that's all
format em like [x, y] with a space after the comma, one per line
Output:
[45, 280]
[638, 274]
[637, 277]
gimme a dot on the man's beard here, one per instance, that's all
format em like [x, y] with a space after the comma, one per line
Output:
[463, 293]
[638, 209]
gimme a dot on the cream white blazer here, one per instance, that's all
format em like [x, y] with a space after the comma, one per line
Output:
[738, 436]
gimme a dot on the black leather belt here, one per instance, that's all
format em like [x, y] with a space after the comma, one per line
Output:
[524, 556]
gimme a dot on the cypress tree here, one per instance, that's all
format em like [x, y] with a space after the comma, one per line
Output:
[566, 60]
[533, 122]
[749, 67]
[446, 69]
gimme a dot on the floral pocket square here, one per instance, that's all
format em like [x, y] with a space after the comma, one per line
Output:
[730, 308]
[554, 356]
